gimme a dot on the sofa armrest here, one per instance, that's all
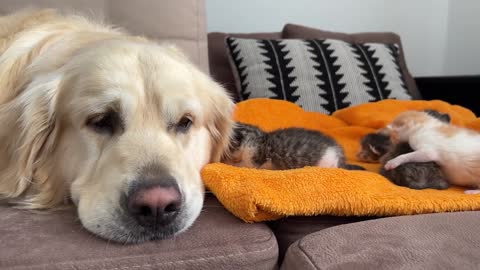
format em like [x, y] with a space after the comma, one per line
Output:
[459, 90]
[431, 241]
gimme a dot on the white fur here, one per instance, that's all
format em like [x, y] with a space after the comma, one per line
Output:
[330, 159]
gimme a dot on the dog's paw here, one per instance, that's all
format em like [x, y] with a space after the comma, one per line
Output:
[472, 191]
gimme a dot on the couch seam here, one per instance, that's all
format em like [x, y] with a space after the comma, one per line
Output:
[152, 264]
[195, 260]
[310, 260]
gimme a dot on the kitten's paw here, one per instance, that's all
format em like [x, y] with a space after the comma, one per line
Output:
[390, 165]
[472, 191]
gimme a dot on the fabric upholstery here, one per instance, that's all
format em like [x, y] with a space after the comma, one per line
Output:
[303, 32]
[290, 229]
[434, 241]
[179, 22]
[56, 240]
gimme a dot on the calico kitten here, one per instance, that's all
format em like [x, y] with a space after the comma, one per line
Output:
[455, 149]
[284, 149]
[374, 145]
[416, 175]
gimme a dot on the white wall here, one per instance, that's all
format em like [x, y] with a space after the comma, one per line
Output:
[424, 26]
[463, 46]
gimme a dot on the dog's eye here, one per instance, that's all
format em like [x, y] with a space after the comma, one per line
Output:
[184, 124]
[107, 123]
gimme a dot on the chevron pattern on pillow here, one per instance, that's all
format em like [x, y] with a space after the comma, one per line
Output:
[318, 75]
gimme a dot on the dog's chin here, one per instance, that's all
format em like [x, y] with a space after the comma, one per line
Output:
[124, 229]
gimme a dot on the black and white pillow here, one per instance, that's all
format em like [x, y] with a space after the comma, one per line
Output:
[319, 75]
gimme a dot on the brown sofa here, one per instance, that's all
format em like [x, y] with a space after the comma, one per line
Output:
[218, 240]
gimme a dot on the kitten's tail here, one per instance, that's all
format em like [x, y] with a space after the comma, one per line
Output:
[353, 167]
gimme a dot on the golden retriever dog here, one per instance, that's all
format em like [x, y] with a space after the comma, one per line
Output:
[117, 124]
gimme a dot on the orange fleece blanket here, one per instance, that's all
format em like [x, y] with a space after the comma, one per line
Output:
[259, 195]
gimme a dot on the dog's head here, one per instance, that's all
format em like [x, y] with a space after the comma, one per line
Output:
[124, 128]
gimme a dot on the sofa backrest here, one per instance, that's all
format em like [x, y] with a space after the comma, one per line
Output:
[180, 22]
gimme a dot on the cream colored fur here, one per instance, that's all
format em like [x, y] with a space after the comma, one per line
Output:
[57, 71]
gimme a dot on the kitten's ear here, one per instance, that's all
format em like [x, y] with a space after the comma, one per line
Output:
[237, 136]
[445, 117]
[374, 149]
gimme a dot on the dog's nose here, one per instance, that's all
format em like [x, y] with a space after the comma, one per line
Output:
[155, 206]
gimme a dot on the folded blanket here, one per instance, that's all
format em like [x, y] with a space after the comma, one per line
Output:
[259, 195]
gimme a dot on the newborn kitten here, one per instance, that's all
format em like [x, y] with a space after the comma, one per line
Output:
[284, 149]
[455, 149]
[374, 145]
[414, 175]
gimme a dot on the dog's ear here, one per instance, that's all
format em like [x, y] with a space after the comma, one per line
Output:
[218, 114]
[29, 140]
[221, 123]
[218, 107]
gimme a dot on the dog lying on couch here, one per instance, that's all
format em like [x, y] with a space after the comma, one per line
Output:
[116, 123]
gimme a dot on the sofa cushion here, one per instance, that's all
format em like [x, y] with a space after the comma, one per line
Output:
[302, 32]
[290, 229]
[218, 58]
[433, 241]
[180, 22]
[322, 75]
[56, 240]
